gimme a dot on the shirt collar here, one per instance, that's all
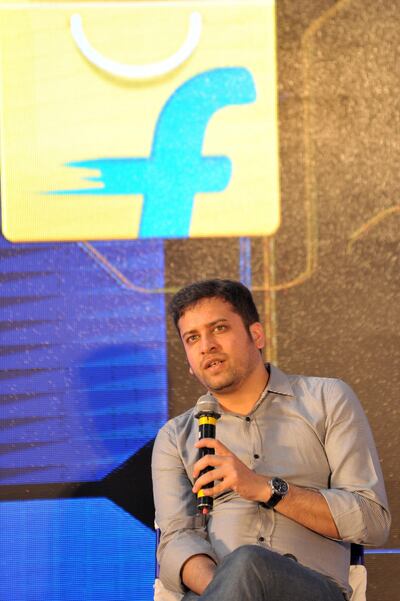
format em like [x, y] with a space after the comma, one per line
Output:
[278, 382]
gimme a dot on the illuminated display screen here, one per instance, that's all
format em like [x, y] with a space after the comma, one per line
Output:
[83, 392]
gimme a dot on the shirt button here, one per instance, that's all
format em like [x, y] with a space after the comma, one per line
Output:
[261, 539]
[248, 419]
[256, 456]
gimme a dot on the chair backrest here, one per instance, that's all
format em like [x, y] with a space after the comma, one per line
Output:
[358, 574]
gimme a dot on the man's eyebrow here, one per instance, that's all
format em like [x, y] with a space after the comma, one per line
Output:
[208, 325]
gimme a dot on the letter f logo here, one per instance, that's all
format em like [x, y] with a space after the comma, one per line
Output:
[176, 169]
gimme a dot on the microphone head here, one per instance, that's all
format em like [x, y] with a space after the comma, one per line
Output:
[207, 404]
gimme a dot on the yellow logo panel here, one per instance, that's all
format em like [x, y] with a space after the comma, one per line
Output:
[138, 119]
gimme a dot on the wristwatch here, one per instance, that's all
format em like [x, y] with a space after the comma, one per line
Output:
[280, 489]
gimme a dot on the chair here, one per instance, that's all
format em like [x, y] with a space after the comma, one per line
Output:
[358, 574]
[357, 577]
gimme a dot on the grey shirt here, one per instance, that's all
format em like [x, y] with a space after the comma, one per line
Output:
[310, 431]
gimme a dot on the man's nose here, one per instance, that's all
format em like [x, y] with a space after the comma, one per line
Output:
[208, 344]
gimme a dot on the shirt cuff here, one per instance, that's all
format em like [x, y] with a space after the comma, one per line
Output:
[176, 553]
[347, 514]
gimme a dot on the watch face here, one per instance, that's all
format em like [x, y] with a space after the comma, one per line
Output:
[280, 486]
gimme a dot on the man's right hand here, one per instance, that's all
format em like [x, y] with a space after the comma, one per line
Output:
[231, 473]
[197, 573]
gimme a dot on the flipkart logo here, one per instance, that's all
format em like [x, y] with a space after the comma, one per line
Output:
[177, 147]
[176, 170]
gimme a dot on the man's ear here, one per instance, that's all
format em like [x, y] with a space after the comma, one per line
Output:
[257, 334]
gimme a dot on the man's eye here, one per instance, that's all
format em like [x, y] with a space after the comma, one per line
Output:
[191, 339]
[220, 328]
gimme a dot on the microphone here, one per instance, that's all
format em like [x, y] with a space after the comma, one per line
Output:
[207, 414]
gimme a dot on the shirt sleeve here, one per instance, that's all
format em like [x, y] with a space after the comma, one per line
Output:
[182, 534]
[356, 496]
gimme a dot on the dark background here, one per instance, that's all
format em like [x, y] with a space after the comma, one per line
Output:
[327, 282]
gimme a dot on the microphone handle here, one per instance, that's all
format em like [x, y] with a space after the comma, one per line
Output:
[207, 429]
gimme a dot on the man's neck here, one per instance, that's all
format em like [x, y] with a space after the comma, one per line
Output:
[242, 401]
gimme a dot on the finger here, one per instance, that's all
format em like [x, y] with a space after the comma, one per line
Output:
[217, 474]
[216, 490]
[207, 461]
[213, 443]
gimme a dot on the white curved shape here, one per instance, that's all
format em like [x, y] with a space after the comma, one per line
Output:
[138, 72]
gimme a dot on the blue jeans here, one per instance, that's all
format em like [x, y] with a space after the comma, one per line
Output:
[253, 573]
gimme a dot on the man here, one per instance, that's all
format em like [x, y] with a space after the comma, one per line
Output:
[296, 474]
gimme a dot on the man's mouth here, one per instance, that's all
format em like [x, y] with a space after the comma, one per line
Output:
[213, 363]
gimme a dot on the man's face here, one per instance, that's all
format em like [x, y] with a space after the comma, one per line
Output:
[221, 352]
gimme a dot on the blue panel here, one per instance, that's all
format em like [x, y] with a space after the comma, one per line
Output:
[74, 550]
[83, 365]
[382, 551]
[245, 261]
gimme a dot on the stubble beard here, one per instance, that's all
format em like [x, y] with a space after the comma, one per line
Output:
[227, 383]
[232, 380]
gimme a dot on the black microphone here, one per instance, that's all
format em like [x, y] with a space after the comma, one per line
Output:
[207, 414]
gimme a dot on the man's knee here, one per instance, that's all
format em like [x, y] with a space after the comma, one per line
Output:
[248, 557]
[253, 569]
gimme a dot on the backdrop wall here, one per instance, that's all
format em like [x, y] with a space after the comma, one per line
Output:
[90, 367]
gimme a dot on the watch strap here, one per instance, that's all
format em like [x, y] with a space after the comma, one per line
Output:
[276, 496]
[272, 501]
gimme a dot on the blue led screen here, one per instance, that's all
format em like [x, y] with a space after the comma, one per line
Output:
[83, 392]
[74, 549]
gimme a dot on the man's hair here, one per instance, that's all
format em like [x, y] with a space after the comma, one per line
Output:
[230, 291]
